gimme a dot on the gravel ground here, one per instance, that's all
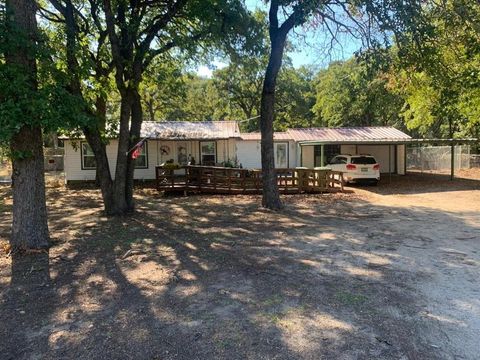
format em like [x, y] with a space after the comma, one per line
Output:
[387, 272]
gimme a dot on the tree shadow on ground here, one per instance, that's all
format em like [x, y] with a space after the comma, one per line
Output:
[419, 183]
[217, 277]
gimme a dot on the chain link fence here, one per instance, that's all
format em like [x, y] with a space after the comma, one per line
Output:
[475, 161]
[438, 158]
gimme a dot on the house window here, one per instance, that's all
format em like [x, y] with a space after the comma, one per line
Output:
[208, 153]
[141, 162]
[281, 155]
[88, 158]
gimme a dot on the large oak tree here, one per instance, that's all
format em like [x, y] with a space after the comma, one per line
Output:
[22, 124]
[368, 20]
[138, 32]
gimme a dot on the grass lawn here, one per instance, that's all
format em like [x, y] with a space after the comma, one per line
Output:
[379, 273]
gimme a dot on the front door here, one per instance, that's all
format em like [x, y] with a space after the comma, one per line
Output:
[182, 153]
[281, 155]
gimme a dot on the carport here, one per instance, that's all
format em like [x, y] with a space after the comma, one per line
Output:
[315, 147]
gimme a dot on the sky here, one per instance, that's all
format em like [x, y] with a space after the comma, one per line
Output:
[308, 44]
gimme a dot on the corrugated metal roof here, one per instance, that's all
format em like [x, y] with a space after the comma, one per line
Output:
[258, 136]
[352, 134]
[204, 130]
[173, 130]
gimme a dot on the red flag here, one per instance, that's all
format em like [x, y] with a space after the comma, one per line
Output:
[137, 149]
[136, 153]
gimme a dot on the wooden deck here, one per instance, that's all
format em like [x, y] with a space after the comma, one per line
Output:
[220, 180]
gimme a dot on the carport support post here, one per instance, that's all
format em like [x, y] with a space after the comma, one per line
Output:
[322, 155]
[299, 154]
[452, 161]
[389, 163]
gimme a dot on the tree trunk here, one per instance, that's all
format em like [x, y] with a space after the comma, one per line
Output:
[271, 196]
[104, 178]
[30, 227]
[151, 110]
[101, 112]
[120, 182]
[135, 127]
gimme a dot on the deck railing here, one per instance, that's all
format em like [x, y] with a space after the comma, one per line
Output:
[221, 180]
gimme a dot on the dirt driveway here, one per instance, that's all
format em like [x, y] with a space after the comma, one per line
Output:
[381, 273]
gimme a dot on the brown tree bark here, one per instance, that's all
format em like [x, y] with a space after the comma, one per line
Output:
[104, 178]
[120, 182]
[29, 227]
[278, 36]
[113, 205]
[135, 127]
[101, 113]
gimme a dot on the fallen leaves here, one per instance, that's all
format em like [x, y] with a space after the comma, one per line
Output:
[6, 248]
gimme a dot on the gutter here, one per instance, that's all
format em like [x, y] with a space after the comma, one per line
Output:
[389, 141]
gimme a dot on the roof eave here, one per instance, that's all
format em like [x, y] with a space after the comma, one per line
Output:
[353, 142]
[389, 141]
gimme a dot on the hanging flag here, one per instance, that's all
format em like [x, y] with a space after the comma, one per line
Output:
[137, 149]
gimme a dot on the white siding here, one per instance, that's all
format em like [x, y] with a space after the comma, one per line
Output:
[308, 158]
[73, 161]
[249, 153]
[226, 150]
[380, 152]
[348, 149]
[292, 154]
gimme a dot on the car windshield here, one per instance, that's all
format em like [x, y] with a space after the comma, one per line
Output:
[363, 160]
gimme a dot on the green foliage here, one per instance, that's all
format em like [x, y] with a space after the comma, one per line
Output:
[240, 84]
[42, 101]
[164, 86]
[427, 83]
[233, 93]
[350, 94]
[295, 98]
[231, 163]
[437, 71]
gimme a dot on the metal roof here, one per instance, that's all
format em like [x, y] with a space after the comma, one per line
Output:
[352, 134]
[201, 130]
[258, 136]
[375, 134]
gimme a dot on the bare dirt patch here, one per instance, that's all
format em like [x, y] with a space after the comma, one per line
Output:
[384, 272]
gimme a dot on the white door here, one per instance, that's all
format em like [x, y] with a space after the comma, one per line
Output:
[182, 153]
[281, 155]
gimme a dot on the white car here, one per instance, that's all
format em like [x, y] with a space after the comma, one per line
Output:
[356, 167]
